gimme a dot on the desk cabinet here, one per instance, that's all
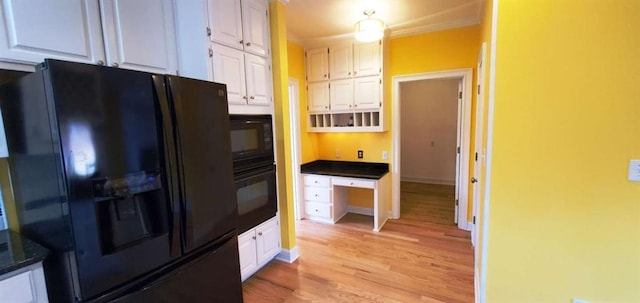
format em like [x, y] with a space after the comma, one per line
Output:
[326, 197]
[24, 285]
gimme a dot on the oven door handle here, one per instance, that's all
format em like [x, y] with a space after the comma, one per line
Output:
[249, 174]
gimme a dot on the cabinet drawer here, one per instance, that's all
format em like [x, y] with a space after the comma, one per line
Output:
[318, 209]
[317, 194]
[317, 181]
[353, 182]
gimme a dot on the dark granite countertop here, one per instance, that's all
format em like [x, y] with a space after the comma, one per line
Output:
[365, 170]
[16, 251]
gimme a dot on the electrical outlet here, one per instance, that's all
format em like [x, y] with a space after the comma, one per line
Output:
[385, 155]
[579, 301]
[338, 154]
[360, 154]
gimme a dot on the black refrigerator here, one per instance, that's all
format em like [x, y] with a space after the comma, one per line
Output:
[127, 177]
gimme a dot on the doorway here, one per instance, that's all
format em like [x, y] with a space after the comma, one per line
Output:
[462, 78]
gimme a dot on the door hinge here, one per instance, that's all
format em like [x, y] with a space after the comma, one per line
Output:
[474, 219]
[460, 95]
[458, 149]
[305, 54]
[380, 81]
[327, 50]
[208, 31]
[380, 104]
[476, 157]
[478, 89]
[457, 202]
[210, 52]
[380, 70]
[269, 67]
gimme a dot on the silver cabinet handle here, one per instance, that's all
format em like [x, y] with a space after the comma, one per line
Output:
[244, 97]
[355, 72]
[115, 64]
[474, 180]
[355, 105]
[241, 41]
[254, 237]
[100, 62]
[260, 234]
[252, 97]
[248, 43]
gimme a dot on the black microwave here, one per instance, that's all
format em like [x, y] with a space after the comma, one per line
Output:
[251, 141]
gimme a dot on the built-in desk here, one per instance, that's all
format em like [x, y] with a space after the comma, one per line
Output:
[326, 186]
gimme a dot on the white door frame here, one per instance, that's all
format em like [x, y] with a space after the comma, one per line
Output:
[479, 153]
[296, 154]
[466, 75]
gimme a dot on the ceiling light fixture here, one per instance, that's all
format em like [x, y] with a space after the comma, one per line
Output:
[369, 30]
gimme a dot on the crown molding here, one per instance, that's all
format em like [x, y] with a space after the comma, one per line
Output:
[416, 30]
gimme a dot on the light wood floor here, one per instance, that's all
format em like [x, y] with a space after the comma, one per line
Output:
[422, 257]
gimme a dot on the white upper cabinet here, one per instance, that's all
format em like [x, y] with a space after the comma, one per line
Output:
[31, 31]
[240, 24]
[133, 34]
[228, 68]
[341, 94]
[255, 27]
[258, 80]
[366, 92]
[341, 61]
[367, 59]
[318, 96]
[140, 35]
[317, 64]
[225, 22]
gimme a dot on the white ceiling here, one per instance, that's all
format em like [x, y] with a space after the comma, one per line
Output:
[310, 21]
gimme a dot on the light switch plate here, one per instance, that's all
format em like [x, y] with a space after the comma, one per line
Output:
[634, 170]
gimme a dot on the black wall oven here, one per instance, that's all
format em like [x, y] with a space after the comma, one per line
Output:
[251, 141]
[254, 169]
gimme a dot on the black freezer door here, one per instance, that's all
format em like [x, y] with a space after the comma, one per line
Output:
[110, 131]
[212, 276]
[205, 167]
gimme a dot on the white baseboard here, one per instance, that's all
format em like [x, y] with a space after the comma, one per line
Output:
[466, 225]
[360, 210]
[288, 256]
[428, 180]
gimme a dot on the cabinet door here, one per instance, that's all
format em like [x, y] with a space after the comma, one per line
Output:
[247, 251]
[225, 22]
[255, 27]
[318, 96]
[367, 59]
[140, 35]
[228, 68]
[341, 61]
[341, 94]
[366, 92]
[317, 64]
[268, 240]
[258, 80]
[31, 31]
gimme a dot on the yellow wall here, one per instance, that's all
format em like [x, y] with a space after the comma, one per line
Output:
[280, 69]
[564, 220]
[308, 141]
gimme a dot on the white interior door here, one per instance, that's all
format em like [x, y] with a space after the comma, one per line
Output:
[478, 152]
[459, 181]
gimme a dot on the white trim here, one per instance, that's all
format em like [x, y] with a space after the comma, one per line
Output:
[288, 256]
[428, 180]
[479, 136]
[466, 74]
[487, 183]
[367, 211]
[296, 152]
[429, 28]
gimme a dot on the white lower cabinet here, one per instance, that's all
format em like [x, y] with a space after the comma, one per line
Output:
[258, 246]
[25, 285]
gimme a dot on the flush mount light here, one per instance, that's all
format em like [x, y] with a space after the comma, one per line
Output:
[369, 30]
